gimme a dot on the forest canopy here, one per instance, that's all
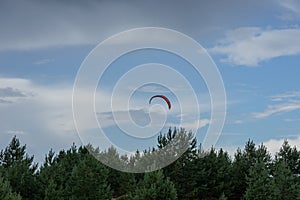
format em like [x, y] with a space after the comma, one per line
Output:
[252, 173]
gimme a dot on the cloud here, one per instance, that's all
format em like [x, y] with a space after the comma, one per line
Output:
[43, 61]
[11, 92]
[42, 118]
[250, 46]
[275, 109]
[5, 101]
[32, 24]
[152, 89]
[286, 102]
[137, 116]
[238, 121]
[15, 132]
[291, 9]
[286, 96]
[292, 5]
[274, 145]
[291, 120]
[47, 119]
[192, 125]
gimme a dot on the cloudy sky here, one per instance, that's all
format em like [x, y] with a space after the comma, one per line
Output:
[254, 44]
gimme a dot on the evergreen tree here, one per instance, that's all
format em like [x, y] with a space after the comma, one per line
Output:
[179, 140]
[154, 187]
[223, 197]
[238, 172]
[243, 162]
[290, 156]
[285, 182]
[56, 172]
[260, 184]
[75, 173]
[89, 180]
[19, 169]
[6, 192]
[52, 192]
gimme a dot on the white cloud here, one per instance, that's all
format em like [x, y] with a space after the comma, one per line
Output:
[275, 109]
[292, 119]
[47, 119]
[286, 96]
[251, 45]
[15, 132]
[238, 121]
[42, 120]
[286, 102]
[43, 61]
[274, 145]
[151, 89]
[193, 125]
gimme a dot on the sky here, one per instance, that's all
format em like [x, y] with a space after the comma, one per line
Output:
[255, 45]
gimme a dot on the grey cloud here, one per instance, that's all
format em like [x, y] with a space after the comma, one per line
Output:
[291, 5]
[11, 92]
[4, 101]
[39, 118]
[38, 24]
[139, 116]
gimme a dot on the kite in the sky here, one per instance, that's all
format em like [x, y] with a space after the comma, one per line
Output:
[164, 98]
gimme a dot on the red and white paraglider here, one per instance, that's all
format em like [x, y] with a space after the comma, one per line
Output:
[164, 98]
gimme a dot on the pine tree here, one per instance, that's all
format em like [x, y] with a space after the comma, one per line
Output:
[177, 141]
[6, 192]
[223, 197]
[89, 180]
[56, 171]
[154, 187]
[19, 169]
[290, 156]
[243, 162]
[52, 192]
[285, 182]
[260, 185]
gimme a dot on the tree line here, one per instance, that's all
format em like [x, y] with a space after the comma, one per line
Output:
[252, 173]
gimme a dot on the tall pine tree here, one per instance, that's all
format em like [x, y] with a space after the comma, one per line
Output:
[19, 169]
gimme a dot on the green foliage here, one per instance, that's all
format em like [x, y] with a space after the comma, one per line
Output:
[19, 169]
[285, 182]
[154, 186]
[260, 184]
[52, 192]
[89, 180]
[197, 174]
[290, 156]
[243, 162]
[206, 177]
[6, 192]
[74, 174]
[223, 197]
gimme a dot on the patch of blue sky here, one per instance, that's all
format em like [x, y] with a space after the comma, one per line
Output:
[135, 58]
[44, 66]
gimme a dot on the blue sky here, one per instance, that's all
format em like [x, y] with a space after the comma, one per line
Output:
[255, 45]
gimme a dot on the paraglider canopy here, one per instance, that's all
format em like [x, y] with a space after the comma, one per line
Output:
[164, 98]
